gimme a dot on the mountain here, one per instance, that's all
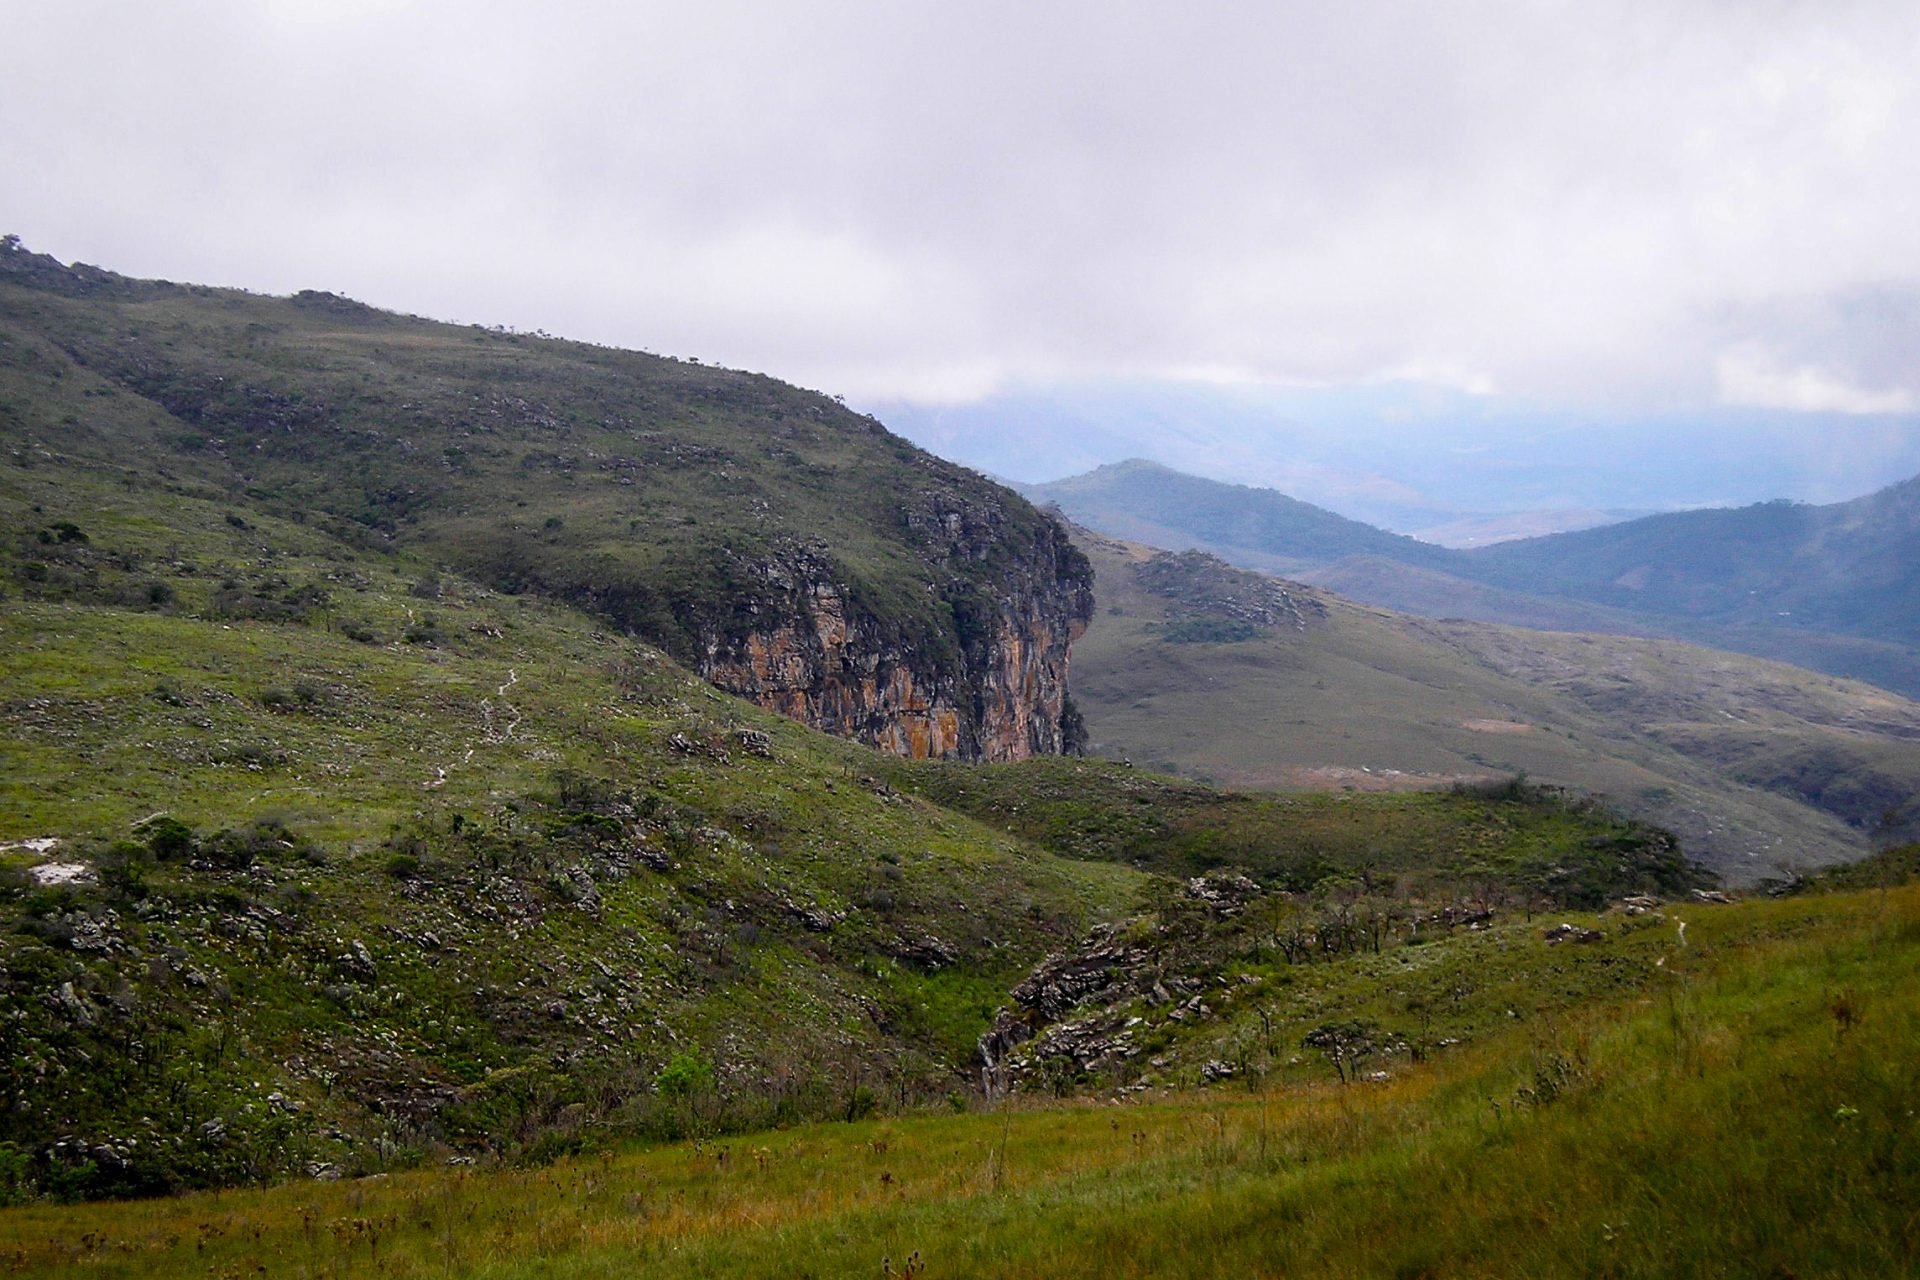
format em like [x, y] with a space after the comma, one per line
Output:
[1850, 567]
[1260, 528]
[1762, 768]
[784, 547]
[372, 795]
[1835, 588]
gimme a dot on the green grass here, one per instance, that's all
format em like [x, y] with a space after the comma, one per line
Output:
[1749, 1114]
[1757, 767]
[515, 813]
[1522, 838]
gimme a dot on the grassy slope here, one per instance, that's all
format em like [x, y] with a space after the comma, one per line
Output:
[655, 491]
[1369, 699]
[566, 858]
[1422, 842]
[1409, 589]
[1744, 1108]
[203, 985]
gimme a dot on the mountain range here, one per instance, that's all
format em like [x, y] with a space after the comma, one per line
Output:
[513, 804]
[1835, 588]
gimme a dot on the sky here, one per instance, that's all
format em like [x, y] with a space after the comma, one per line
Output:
[1619, 212]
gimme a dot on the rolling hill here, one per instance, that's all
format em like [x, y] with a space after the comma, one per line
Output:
[1833, 588]
[371, 795]
[779, 544]
[1761, 767]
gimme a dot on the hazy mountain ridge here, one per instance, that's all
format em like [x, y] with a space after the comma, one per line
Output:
[1835, 588]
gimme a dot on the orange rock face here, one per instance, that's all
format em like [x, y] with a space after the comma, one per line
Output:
[1001, 699]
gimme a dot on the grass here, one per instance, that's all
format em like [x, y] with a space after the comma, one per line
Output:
[567, 859]
[1757, 767]
[1751, 1115]
[512, 810]
[1518, 837]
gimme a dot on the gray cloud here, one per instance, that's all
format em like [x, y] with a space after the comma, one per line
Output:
[1633, 204]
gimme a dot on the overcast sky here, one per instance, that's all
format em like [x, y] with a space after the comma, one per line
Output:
[1634, 206]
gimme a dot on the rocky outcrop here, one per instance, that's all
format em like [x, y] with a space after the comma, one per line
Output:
[1071, 1010]
[982, 677]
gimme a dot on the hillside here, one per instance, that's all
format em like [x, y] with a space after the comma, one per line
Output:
[337, 840]
[1724, 1090]
[445, 873]
[784, 547]
[1851, 567]
[1758, 766]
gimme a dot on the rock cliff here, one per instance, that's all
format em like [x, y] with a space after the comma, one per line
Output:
[984, 677]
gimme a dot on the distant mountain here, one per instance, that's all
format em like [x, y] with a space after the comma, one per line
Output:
[1507, 526]
[1835, 588]
[1851, 567]
[1257, 528]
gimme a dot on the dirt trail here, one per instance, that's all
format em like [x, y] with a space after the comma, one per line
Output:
[494, 730]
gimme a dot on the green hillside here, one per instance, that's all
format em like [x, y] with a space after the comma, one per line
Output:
[329, 847]
[1832, 588]
[709, 511]
[1851, 567]
[1759, 767]
[1728, 1099]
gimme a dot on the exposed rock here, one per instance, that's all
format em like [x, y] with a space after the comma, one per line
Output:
[1224, 892]
[70, 1002]
[1567, 932]
[926, 952]
[357, 963]
[999, 693]
[1710, 895]
[55, 873]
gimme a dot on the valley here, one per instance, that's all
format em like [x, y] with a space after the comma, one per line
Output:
[482, 804]
[1763, 769]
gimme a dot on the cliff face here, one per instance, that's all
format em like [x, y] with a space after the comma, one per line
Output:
[990, 686]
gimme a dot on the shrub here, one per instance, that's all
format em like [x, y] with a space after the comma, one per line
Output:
[685, 1076]
[168, 838]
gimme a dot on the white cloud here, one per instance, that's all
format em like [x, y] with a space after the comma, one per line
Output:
[1748, 378]
[1573, 201]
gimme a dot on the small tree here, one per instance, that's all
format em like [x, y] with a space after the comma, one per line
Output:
[1346, 1045]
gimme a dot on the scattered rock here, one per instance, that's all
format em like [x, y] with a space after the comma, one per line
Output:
[72, 1004]
[926, 953]
[1711, 895]
[357, 962]
[1566, 932]
[1224, 892]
